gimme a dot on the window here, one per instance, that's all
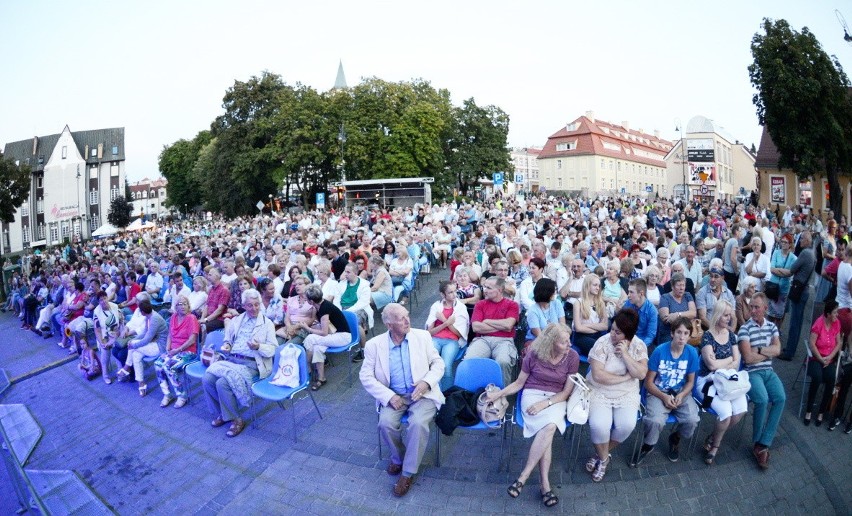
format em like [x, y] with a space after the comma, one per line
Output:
[54, 233]
[619, 166]
[610, 165]
[560, 182]
[93, 197]
[603, 165]
[40, 207]
[93, 172]
[26, 233]
[95, 222]
[77, 228]
[559, 164]
[115, 150]
[66, 229]
[113, 193]
[25, 209]
[113, 170]
[64, 151]
[39, 182]
[41, 231]
[145, 192]
[94, 153]
[566, 146]
[41, 160]
[571, 127]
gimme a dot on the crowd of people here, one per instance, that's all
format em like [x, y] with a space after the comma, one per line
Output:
[656, 295]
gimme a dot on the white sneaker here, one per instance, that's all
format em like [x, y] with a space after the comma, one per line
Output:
[180, 403]
[167, 399]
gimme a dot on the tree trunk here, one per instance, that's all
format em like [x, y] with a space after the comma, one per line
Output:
[835, 194]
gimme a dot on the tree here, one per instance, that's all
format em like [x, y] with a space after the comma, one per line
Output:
[120, 212]
[177, 163]
[477, 145]
[15, 181]
[803, 100]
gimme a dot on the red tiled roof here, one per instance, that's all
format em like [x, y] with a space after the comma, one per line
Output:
[767, 152]
[590, 137]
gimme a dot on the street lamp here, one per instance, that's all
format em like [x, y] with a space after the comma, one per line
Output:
[341, 136]
[683, 157]
[78, 203]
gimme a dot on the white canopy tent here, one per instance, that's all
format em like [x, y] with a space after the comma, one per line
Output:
[137, 224]
[105, 230]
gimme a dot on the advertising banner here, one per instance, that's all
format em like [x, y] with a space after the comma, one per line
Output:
[778, 189]
[700, 149]
[702, 174]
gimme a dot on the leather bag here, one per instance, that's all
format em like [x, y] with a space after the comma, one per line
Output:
[492, 413]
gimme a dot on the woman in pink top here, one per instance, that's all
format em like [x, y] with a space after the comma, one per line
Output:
[180, 351]
[298, 311]
[822, 365]
[544, 379]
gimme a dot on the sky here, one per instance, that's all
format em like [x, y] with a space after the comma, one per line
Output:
[160, 68]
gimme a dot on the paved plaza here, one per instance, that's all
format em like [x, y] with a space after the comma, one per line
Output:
[141, 459]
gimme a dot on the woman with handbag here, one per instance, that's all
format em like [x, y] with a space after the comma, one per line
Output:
[778, 285]
[544, 378]
[825, 345]
[617, 362]
[719, 351]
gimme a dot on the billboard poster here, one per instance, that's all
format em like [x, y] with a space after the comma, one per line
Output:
[700, 149]
[777, 189]
[702, 174]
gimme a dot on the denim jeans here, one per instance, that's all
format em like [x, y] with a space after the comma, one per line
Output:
[448, 349]
[797, 313]
[766, 389]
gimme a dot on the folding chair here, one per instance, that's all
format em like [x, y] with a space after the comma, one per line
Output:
[640, 430]
[197, 369]
[518, 419]
[267, 391]
[404, 422]
[473, 374]
[354, 331]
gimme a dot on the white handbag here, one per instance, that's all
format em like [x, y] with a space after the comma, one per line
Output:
[491, 413]
[731, 384]
[287, 374]
[577, 410]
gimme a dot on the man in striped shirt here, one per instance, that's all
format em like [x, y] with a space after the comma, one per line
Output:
[759, 342]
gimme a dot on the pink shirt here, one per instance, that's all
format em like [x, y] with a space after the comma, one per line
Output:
[826, 337]
[505, 308]
[548, 377]
[180, 332]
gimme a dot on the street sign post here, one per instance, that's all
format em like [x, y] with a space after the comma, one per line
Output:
[259, 205]
[498, 179]
[320, 200]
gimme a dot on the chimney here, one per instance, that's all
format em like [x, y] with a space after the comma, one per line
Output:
[86, 155]
[590, 115]
[100, 151]
[35, 145]
[626, 125]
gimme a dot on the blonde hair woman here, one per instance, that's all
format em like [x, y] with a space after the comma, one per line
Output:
[544, 380]
[652, 280]
[590, 315]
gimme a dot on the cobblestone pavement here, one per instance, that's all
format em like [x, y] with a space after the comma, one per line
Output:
[144, 459]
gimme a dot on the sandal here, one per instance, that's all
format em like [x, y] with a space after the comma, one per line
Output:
[600, 469]
[591, 463]
[549, 499]
[318, 384]
[710, 456]
[515, 489]
[708, 443]
[143, 390]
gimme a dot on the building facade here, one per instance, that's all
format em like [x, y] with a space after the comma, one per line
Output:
[148, 198]
[714, 166]
[75, 176]
[782, 187]
[593, 157]
[525, 160]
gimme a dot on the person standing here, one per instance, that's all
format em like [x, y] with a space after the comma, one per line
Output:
[402, 371]
[800, 271]
[759, 342]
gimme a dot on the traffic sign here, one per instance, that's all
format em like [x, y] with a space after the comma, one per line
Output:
[259, 205]
[519, 178]
[320, 200]
[704, 189]
[498, 179]
[649, 188]
[623, 190]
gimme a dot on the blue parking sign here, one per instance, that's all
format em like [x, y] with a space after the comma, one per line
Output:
[320, 200]
[498, 179]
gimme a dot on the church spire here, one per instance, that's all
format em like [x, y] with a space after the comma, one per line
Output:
[340, 82]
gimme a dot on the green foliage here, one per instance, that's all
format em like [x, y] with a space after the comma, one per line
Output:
[177, 162]
[803, 100]
[15, 183]
[120, 212]
[274, 135]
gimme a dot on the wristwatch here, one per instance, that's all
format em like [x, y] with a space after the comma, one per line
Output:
[549, 403]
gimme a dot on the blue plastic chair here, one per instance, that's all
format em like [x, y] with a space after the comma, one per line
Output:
[197, 369]
[354, 331]
[267, 391]
[473, 374]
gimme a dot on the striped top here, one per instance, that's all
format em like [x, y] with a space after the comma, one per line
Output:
[758, 336]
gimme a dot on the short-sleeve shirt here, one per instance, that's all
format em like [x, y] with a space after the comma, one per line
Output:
[626, 393]
[721, 351]
[538, 318]
[826, 337]
[668, 301]
[219, 295]
[548, 377]
[180, 333]
[502, 309]
[707, 300]
[335, 316]
[671, 371]
[758, 336]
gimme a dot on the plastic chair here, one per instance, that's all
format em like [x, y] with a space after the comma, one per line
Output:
[158, 303]
[518, 419]
[474, 374]
[267, 391]
[354, 331]
[404, 421]
[197, 369]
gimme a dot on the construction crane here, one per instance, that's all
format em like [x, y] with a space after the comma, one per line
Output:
[842, 21]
